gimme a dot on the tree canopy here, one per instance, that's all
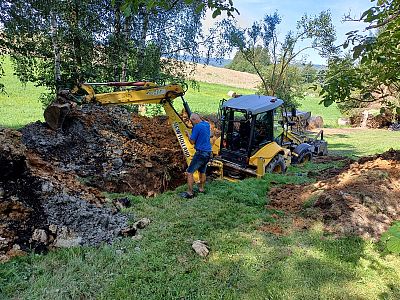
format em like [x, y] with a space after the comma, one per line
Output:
[281, 78]
[371, 73]
[59, 43]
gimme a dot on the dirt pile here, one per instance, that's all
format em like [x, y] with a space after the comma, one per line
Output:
[363, 199]
[384, 120]
[41, 207]
[111, 149]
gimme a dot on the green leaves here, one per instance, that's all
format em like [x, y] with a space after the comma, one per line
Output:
[392, 238]
[216, 13]
[372, 69]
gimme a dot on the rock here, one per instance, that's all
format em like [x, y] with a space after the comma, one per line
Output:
[117, 162]
[53, 228]
[47, 187]
[201, 248]
[130, 231]
[122, 203]
[343, 121]
[39, 235]
[142, 223]
[66, 238]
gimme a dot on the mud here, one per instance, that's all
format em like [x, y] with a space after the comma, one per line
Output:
[363, 199]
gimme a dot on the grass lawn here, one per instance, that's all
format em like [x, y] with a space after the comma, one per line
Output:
[244, 263]
[359, 142]
[21, 104]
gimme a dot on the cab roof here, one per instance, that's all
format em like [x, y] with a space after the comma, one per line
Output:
[253, 104]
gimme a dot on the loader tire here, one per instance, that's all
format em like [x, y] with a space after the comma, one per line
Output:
[304, 156]
[276, 165]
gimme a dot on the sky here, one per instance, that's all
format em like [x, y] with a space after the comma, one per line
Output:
[292, 10]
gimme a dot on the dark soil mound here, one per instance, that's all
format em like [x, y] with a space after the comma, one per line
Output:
[41, 207]
[112, 150]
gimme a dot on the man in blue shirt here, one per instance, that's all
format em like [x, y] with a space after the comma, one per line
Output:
[200, 137]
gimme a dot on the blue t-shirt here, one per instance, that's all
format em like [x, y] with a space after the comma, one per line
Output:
[201, 136]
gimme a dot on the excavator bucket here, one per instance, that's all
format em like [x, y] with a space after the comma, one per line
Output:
[55, 114]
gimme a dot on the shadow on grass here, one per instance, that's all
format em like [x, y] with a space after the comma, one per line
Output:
[244, 263]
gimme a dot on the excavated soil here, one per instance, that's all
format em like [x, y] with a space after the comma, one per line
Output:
[112, 150]
[51, 182]
[42, 207]
[362, 199]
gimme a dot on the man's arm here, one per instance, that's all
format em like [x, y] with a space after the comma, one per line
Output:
[192, 138]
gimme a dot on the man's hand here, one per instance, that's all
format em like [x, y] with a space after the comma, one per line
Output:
[187, 133]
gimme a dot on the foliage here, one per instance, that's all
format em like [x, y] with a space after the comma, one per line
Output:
[392, 238]
[309, 73]
[239, 62]
[217, 6]
[371, 73]
[280, 79]
[72, 41]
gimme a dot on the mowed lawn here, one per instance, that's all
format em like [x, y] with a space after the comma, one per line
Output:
[245, 261]
[20, 105]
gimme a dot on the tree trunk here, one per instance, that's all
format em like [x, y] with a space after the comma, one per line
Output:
[125, 48]
[56, 49]
[144, 16]
[77, 40]
[117, 46]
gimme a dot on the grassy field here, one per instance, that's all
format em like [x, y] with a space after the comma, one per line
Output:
[21, 104]
[245, 262]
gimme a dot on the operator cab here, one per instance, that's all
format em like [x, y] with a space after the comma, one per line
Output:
[249, 123]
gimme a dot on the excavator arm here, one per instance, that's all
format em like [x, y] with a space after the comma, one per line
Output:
[140, 93]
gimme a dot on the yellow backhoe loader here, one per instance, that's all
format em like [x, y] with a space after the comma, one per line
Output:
[253, 134]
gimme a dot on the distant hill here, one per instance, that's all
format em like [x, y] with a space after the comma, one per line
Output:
[216, 62]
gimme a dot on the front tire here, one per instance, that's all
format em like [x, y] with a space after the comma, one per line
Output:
[276, 165]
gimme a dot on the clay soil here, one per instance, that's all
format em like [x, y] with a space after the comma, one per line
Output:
[361, 198]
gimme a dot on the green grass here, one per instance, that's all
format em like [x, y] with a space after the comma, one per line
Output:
[244, 263]
[330, 114]
[206, 99]
[21, 104]
[360, 142]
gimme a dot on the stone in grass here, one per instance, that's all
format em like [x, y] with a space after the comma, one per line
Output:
[201, 248]
[142, 223]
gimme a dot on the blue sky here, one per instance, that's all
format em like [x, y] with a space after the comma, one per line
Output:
[291, 11]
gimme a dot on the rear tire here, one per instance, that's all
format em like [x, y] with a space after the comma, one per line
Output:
[304, 157]
[276, 165]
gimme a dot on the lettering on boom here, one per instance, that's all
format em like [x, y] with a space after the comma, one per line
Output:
[181, 139]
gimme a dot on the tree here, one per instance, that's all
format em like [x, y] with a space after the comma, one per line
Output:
[59, 43]
[309, 73]
[371, 73]
[217, 6]
[282, 78]
[239, 62]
